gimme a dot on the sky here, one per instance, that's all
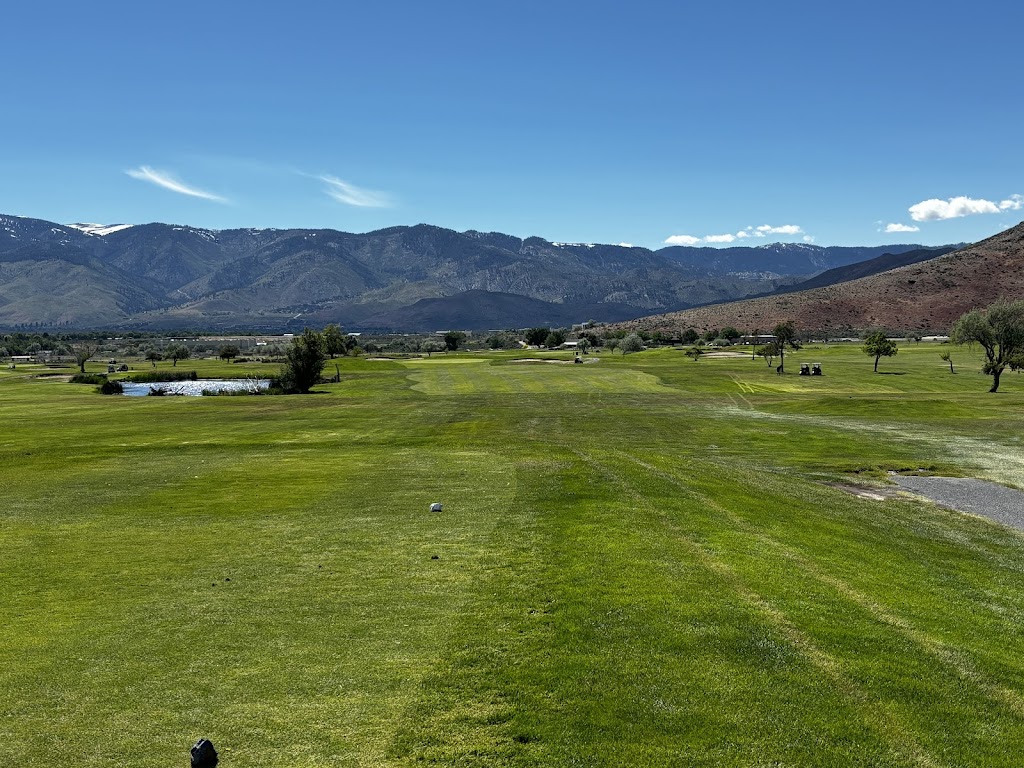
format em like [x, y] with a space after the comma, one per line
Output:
[647, 123]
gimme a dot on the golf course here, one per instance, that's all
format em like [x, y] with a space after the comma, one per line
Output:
[644, 560]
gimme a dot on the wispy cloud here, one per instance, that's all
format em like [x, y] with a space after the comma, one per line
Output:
[901, 228]
[958, 207]
[168, 181]
[1013, 203]
[350, 194]
[626, 245]
[747, 232]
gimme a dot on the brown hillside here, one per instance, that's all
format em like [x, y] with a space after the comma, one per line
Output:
[926, 297]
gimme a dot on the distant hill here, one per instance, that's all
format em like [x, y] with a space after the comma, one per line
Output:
[883, 263]
[777, 259]
[489, 310]
[164, 276]
[926, 296]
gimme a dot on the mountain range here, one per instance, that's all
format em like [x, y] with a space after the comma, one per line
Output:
[418, 278]
[925, 296]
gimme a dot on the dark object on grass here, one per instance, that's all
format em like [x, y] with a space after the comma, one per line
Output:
[816, 369]
[110, 388]
[203, 754]
[805, 369]
[436, 506]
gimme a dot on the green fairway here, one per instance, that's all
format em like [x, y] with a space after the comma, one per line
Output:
[643, 560]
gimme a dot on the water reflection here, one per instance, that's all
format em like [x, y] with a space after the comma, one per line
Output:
[194, 388]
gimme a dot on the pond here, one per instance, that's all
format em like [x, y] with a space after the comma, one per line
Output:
[194, 388]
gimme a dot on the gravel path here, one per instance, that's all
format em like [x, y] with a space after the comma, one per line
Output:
[977, 497]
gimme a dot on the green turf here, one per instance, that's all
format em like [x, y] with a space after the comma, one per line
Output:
[641, 561]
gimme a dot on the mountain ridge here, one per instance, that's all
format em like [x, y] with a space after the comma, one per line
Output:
[172, 276]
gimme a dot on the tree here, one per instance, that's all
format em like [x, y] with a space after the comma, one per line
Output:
[999, 330]
[694, 353]
[785, 335]
[879, 346]
[501, 341]
[583, 345]
[949, 359]
[453, 339]
[83, 352]
[689, 336]
[731, 334]
[555, 339]
[768, 352]
[304, 361]
[176, 352]
[753, 345]
[432, 345]
[710, 334]
[228, 352]
[153, 355]
[535, 336]
[632, 343]
[334, 340]
[612, 344]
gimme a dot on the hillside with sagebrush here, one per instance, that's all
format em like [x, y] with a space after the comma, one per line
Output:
[923, 297]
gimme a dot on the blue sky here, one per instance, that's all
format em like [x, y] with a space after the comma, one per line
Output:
[597, 122]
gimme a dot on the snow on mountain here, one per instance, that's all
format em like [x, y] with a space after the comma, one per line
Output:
[99, 229]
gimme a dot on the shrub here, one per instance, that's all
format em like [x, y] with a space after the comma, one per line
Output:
[305, 360]
[89, 378]
[110, 387]
[148, 377]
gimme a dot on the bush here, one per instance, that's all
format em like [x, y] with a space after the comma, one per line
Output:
[230, 392]
[304, 362]
[110, 387]
[89, 378]
[148, 377]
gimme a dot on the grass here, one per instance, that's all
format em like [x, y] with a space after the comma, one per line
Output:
[640, 562]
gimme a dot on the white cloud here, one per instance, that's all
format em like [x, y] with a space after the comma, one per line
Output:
[901, 228]
[785, 229]
[1014, 203]
[682, 240]
[954, 208]
[626, 245]
[350, 194]
[168, 181]
[808, 238]
[747, 232]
